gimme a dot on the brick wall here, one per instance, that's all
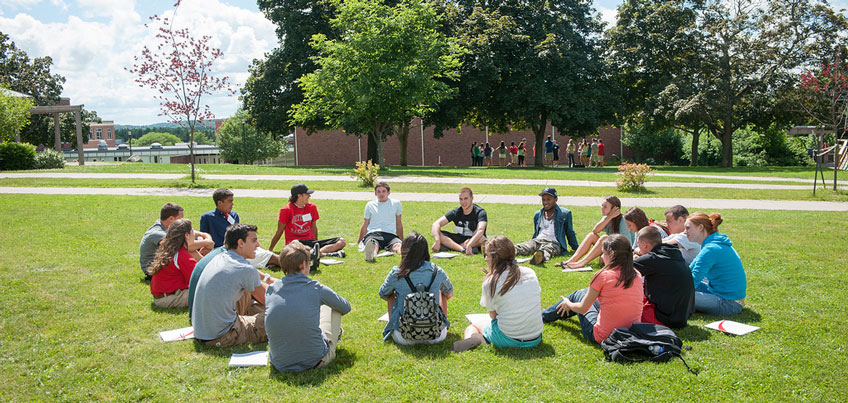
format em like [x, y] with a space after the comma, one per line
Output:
[334, 147]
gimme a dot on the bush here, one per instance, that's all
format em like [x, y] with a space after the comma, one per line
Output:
[49, 159]
[366, 172]
[16, 156]
[653, 146]
[631, 177]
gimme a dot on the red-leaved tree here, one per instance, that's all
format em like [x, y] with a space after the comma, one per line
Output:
[825, 95]
[179, 68]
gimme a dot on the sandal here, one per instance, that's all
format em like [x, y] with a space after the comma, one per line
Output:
[565, 265]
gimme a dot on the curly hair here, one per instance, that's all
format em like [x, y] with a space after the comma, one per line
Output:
[174, 239]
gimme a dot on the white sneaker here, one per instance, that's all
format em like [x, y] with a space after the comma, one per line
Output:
[371, 250]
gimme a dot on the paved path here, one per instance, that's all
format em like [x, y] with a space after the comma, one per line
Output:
[407, 179]
[717, 204]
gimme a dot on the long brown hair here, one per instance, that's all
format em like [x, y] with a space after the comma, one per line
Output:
[621, 261]
[502, 251]
[637, 216]
[616, 222]
[413, 253]
[710, 222]
[174, 239]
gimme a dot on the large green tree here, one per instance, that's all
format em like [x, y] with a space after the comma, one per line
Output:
[389, 64]
[530, 62]
[14, 114]
[165, 139]
[240, 141]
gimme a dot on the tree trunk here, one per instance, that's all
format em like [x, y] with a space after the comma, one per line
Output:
[727, 146]
[539, 157]
[371, 154]
[696, 139]
[378, 149]
[403, 139]
[191, 150]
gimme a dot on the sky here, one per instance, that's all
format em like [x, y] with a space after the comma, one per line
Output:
[93, 41]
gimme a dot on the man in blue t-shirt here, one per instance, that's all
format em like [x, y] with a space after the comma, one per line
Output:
[470, 222]
[549, 151]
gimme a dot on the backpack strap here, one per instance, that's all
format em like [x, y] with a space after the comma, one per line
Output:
[411, 287]
[432, 279]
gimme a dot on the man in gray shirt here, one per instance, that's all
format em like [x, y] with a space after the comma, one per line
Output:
[302, 317]
[223, 313]
[169, 213]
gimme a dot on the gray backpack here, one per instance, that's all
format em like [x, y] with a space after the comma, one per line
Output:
[422, 317]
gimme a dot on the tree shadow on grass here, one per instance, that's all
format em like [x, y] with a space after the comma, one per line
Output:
[314, 377]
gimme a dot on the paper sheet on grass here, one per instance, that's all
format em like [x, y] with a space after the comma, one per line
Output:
[444, 255]
[251, 359]
[177, 334]
[522, 259]
[384, 254]
[384, 318]
[330, 262]
[587, 268]
[729, 326]
[478, 317]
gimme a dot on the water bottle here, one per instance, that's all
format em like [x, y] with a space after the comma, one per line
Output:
[655, 349]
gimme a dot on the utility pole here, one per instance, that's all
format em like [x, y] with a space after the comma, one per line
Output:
[129, 134]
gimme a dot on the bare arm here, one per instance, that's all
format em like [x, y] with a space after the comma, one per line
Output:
[390, 303]
[315, 229]
[399, 224]
[443, 302]
[436, 231]
[364, 229]
[280, 228]
[615, 212]
[493, 314]
[579, 307]
[478, 235]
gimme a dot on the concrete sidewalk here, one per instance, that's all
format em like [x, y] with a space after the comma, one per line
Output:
[713, 204]
[406, 179]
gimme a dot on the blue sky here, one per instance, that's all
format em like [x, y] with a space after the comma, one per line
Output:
[92, 41]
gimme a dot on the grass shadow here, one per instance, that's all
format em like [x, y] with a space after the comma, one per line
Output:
[201, 347]
[746, 316]
[693, 333]
[314, 377]
[172, 311]
[540, 351]
[573, 329]
[430, 351]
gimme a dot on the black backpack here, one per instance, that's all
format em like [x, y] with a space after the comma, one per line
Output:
[643, 342]
[422, 317]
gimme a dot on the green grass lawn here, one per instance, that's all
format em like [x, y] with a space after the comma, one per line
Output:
[686, 192]
[78, 322]
[606, 173]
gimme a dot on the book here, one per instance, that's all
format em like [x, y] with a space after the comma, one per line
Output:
[177, 334]
[444, 255]
[522, 259]
[384, 318]
[329, 262]
[587, 268]
[384, 254]
[729, 326]
[251, 359]
[478, 317]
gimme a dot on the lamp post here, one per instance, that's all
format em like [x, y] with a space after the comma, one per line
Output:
[129, 135]
[244, 142]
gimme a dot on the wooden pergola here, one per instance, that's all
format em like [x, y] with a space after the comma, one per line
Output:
[55, 110]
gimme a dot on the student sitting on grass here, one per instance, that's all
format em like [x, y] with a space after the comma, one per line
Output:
[636, 219]
[552, 230]
[382, 225]
[611, 223]
[718, 263]
[512, 295]
[469, 221]
[669, 293]
[613, 298]
[303, 318]
[172, 267]
[675, 219]
[415, 267]
[223, 312]
[169, 213]
[215, 223]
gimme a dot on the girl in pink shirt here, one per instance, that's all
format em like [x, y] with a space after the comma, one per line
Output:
[613, 298]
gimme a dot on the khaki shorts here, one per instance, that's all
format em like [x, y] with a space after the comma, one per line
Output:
[179, 299]
[330, 324]
[249, 326]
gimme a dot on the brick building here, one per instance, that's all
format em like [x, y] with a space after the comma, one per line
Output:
[101, 131]
[453, 149]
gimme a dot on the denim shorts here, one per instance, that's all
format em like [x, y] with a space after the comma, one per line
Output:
[494, 335]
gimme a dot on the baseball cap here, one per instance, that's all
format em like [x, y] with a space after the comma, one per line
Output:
[550, 191]
[300, 188]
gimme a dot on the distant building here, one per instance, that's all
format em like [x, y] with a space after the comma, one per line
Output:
[155, 153]
[101, 131]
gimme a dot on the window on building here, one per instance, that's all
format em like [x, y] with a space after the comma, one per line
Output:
[109, 134]
[99, 134]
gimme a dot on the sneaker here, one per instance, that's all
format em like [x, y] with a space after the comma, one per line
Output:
[371, 249]
[538, 257]
[340, 254]
[316, 257]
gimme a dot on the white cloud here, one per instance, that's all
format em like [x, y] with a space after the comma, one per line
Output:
[100, 37]
[608, 15]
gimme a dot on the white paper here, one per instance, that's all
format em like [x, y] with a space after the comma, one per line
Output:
[329, 262]
[384, 318]
[251, 359]
[177, 334]
[306, 217]
[478, 317]
[522, 259]
[230, 219]
[587, 268]
[444, 255]
[729, 326]
[384, 254]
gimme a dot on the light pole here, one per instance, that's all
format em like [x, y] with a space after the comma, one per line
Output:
[129, 134]
[244, 143]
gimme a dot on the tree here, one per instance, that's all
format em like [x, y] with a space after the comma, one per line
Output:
[14, 114]
[746, 51]
[385, 68]
[253, 146]
[530, 62]
[272, 88]
[165, 139]
[31, 77]
[179, 68]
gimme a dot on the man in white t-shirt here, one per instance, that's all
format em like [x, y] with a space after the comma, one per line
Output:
[675, 218]
[382, 228]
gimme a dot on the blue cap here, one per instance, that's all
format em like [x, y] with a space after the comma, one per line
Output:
[550, 191]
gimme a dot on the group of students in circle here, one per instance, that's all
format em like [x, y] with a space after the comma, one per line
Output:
[583, 153]
[656, 272]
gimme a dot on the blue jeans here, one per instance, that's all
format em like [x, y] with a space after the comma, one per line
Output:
[713, 304]
[587, 320]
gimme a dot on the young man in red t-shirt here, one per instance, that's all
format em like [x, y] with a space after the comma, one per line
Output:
[298, 220]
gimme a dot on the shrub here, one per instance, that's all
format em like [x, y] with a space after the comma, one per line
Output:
[366, 172]
[49, 159]
[16, 156]
[631, 177]
[654, 146]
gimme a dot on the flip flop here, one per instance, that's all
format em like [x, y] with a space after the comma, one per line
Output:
[565, 265]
